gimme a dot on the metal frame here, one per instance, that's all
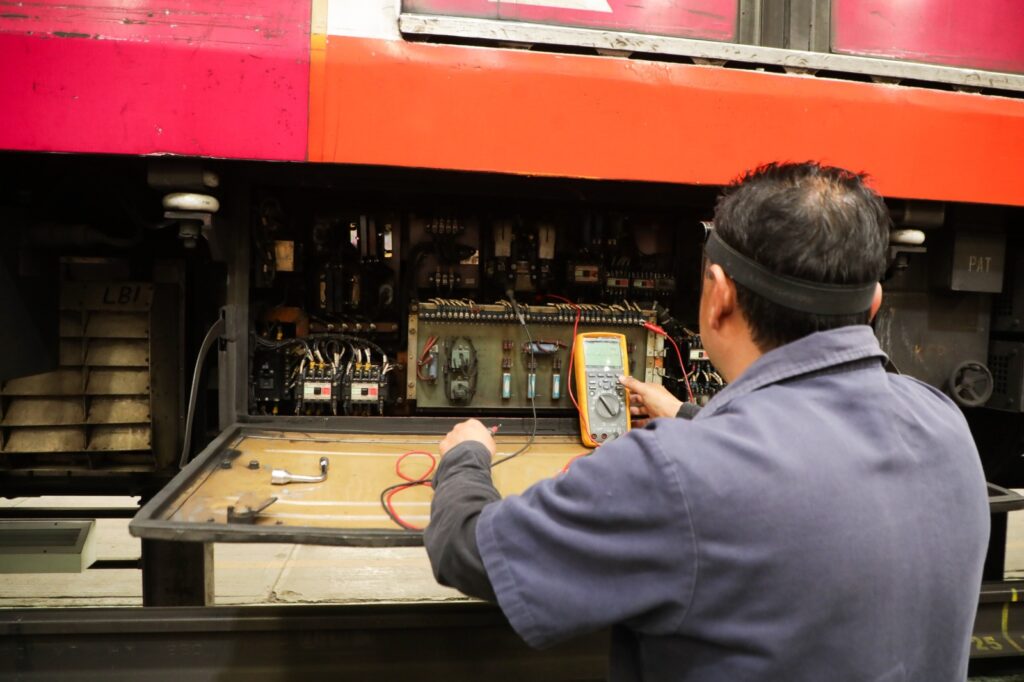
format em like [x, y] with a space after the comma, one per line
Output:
[704, 51]
[749, 21]
[425, 642]
[795, 25]
[439, 641]
[176, 573]
[233, 359]
[150, 523]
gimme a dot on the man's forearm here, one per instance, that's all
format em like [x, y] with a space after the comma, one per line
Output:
[462, 488]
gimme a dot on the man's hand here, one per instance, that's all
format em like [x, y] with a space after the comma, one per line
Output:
[471, 429]
[648, 401]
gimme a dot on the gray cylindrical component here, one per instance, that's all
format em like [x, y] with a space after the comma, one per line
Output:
[921, 214]
[180, 174]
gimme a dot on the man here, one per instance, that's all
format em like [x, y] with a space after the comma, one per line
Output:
[819, 519]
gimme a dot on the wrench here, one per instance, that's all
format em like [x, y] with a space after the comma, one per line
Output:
[282, 477]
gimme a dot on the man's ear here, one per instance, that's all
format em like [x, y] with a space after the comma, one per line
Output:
[721, 292]
[876, 302]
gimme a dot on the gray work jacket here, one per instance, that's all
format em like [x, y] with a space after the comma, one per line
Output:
[820, 519]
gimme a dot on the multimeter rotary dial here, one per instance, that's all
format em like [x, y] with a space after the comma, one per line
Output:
[608, 405]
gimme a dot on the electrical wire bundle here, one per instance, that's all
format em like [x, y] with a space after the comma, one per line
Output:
[387, 495]
[329, 350]
[679, 356]
[454, 302]
[533, 361]
[421, 363]
[709, 377]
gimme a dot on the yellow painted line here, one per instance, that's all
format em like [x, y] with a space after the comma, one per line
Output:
[1014, 591]
[1006, 626]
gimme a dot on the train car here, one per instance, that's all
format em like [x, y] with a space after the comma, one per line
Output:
[250, 244]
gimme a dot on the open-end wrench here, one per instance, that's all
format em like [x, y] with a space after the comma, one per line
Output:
[282, 477]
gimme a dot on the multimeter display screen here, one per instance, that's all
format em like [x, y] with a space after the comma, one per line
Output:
[602, 353]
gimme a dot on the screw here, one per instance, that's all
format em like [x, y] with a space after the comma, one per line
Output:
[254, 464]
[225, 464]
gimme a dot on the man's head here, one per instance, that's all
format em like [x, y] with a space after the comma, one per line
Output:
[811, 222]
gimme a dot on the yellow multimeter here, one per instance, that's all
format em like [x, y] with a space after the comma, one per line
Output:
[600, 359]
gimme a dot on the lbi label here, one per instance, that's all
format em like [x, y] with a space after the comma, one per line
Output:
[121, 295]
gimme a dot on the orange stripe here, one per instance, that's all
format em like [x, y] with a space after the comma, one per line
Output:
[317, 86]
[488, 109]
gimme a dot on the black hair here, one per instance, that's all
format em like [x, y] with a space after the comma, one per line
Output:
[817, 223]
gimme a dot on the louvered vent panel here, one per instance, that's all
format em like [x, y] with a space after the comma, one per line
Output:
[98, 400]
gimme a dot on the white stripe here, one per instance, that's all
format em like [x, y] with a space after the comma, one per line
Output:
[585, 5]
[363, 18]
[321, 503]
[330, 453]
[367, 517]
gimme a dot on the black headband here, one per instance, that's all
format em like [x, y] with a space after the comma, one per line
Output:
[789, 292]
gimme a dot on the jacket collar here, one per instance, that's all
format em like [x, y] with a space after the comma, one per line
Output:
[812, 353]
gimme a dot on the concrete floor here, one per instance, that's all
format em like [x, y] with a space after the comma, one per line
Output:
[243, 574]
[275, 574]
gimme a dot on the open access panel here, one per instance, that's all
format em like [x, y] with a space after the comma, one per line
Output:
[362, 323]
[368, 311]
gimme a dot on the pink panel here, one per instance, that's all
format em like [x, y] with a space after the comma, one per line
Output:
[195, 77]
[708, 19]
[983, 34]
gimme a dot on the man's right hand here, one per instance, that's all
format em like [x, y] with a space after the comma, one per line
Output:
[648, 401]
[471, 429]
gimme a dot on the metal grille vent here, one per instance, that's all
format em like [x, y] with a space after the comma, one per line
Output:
[1002, 304]
[999, 365]
[97, 402]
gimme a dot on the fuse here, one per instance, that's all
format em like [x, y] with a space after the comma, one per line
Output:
[388, 241]
[431, 364]
[531, 386]
[506, 385]
[556, 386]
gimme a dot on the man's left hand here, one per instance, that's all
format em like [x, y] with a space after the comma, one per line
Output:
[468, 430]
